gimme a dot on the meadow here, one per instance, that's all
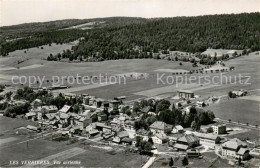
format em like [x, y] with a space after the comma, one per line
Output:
[34, 64]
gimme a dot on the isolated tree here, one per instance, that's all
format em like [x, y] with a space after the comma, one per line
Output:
[217, 141]
[230, 94]
[171, 163]
[210, 130]
[185, 161]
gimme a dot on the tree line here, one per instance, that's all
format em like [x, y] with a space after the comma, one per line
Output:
[142, 37]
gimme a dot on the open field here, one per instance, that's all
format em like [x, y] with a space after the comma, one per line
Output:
[25, 148]
[9, 124]
[7, 140]
[244, 111]
[34, 65]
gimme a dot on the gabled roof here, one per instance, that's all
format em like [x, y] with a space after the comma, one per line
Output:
[30, 114]
[64, 116]
[242, 151]
[50, 116]
[65, 109]
[185, 91]
[178, 127]
[161, 136]
[146, 109]
[188, 138]
[159, 125]
[181, 146]
[234, 143]
[122, 134]
[206, 136]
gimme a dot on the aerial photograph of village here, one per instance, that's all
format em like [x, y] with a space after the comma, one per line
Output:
[130, 83]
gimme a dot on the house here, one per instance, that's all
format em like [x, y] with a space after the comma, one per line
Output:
[65, 109]
[177, 129]
[44, 110]
[115, 105]
[17, 102]
[48, 116]
[120, 136]
[256, 150]
[70, 95]
[186, 142]
[64, 119]
[160, 127]
[102, 127]
[201, 104]
[207, 139]
[159, 138]
[185, 94]
[98, 102]
[239, 93]
[234, 148]
[32, 128]
[93, 132]
[193, 153]
[146, 109]
[49, 109]
[31, 116]
[102, 116]
[36, 103]
[126, 141]
[83, 121]
[143, 133]
[219, 129]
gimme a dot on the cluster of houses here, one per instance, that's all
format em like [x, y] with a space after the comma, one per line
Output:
[104, 120]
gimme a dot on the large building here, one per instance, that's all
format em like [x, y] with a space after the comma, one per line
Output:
[219, 129]
[160, 127]
[207, 139]
[186, 142]
[234, 148]
[185, 94]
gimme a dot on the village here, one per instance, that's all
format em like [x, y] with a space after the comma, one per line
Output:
[138, 126]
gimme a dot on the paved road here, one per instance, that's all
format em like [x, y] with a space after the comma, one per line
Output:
[149, 162]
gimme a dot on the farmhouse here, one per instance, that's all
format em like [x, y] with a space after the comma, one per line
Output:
[186, 142]
[159, 138]
[234, 148]
[177, 129]
[32, 128]
[239, 93]
[69, 95]
[65, 109]
[185, 94]
[160, 127]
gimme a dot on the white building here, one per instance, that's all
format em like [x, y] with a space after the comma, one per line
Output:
[219, 129]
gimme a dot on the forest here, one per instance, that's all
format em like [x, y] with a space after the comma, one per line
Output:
[139, 38]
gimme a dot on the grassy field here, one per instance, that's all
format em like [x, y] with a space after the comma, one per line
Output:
[9, 124]
[34, 65]
[20, 148]
[244, 111]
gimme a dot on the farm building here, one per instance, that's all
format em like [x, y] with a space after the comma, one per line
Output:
[234, 148]
[160, 127]
[186, 142]
[185, 94]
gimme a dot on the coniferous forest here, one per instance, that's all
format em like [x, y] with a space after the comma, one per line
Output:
[119, 37]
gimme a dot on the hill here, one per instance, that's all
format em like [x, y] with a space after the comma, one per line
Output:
[134, 37]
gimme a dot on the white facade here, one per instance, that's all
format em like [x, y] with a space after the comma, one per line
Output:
[156, 140]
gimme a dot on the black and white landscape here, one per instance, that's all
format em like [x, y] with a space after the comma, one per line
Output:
[173, 91]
